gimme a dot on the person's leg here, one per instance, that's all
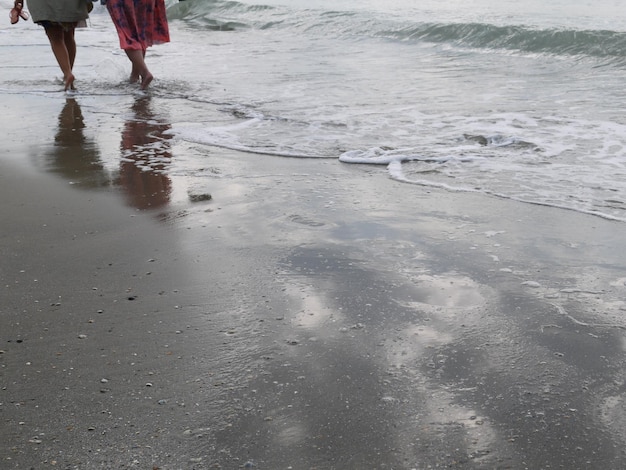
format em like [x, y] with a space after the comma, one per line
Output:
[70, 44]
[56, 36]
[135, 73]
[139, 67]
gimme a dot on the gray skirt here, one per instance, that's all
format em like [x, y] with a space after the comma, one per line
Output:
[58, 11]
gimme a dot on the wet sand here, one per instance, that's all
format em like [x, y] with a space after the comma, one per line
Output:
[309, 315]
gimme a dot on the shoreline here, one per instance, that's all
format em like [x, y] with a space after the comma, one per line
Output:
[309, 314]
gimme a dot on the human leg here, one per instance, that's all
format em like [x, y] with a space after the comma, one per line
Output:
[56, 36]
[139, 67]
[135, 73]
[70, 44]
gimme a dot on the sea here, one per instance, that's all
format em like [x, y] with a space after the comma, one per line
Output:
[515, 100]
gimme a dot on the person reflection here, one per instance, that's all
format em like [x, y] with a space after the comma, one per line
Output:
[73, 155]
[146, 153]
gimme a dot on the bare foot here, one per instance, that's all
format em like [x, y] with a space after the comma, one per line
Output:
[135, 74]
[147, 78]
[69, 82]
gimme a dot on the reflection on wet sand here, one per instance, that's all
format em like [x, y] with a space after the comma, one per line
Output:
[146, 155]
[74, 155]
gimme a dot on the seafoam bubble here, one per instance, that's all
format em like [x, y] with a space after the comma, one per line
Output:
[534, 284]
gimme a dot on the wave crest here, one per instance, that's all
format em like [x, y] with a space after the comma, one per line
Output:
[229, 15]
[600, 43]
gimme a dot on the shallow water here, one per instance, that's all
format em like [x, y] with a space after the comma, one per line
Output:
[481, 97]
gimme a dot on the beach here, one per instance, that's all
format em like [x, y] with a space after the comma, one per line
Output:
[379, 235]
[293, 317]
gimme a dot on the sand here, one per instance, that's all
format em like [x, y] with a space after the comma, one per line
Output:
[310, 314]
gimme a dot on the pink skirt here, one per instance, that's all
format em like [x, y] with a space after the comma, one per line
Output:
[139, 23]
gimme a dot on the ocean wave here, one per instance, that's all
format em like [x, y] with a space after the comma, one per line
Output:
[218, 14]
[232, 15]
[598, 43]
